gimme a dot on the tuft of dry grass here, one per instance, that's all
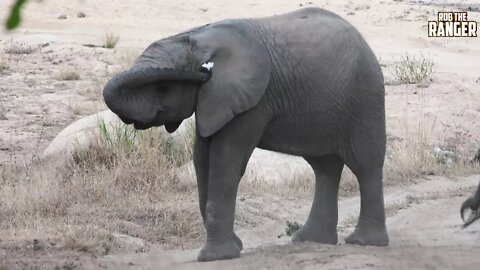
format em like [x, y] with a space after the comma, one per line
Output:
[68, 74]
[413, 69]
[111, 40]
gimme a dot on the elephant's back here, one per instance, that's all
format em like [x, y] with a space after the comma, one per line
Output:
[314, 25]
[318, 55]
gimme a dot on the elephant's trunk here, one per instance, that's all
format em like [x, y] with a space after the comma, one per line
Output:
[117, 88]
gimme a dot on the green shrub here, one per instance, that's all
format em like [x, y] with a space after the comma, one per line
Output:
[292, 227]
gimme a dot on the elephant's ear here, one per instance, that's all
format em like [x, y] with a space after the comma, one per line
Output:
[240, 74]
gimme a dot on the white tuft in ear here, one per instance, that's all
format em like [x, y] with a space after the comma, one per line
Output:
[208, 65]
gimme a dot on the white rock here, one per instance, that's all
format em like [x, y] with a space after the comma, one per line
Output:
[83, 132]
[80, 133]
[275, 168]
[263, 166]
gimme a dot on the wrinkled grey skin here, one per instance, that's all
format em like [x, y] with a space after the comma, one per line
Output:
[304, 83]
[472, 204]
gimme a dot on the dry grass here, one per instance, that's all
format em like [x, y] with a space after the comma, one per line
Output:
[68, 74]
[111, 40]
[125, 182]
[413, 157]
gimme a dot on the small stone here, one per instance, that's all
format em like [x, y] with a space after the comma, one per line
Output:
[350, 13]
[37, 245]
[81, 15]
[62, 17]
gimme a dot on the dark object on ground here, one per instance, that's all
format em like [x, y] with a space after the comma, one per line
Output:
[472, 205]
[476, 158]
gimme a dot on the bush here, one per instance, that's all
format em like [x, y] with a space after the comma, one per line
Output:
[413, 69]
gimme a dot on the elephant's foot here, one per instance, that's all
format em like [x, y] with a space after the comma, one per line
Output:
[226, 249]
[315, 234]
[238, 241]
[366, 235]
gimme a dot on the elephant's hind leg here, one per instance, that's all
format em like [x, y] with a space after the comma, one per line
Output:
[370, 229]
[321, 225]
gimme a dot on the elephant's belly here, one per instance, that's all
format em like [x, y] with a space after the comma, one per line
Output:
[304, 137]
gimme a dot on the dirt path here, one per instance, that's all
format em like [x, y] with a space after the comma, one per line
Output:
[424, 225]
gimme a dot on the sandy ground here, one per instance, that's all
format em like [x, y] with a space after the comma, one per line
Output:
[425, 232]
[423, 224]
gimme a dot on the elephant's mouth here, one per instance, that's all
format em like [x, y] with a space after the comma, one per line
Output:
[141, 126]
[136, 124]
[170, 127]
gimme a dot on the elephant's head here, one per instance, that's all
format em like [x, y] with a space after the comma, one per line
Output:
[168, 83]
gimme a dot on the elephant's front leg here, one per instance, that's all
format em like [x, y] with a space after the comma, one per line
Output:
[201, 162]
[228, 155]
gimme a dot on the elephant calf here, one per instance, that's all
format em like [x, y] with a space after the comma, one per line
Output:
[304, 83]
